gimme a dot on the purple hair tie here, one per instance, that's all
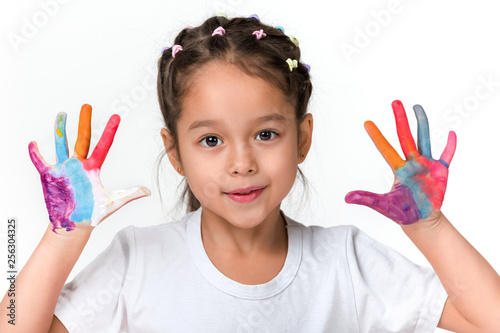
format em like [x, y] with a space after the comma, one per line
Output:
[259, 33]
[254, 16]
[176, 49]
[308, 67]
[219, 31]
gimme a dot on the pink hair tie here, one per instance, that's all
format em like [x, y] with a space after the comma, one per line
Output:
[259, 33]
[219, 31]
[175, 49]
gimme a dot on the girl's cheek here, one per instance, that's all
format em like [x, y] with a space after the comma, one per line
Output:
[284, 162]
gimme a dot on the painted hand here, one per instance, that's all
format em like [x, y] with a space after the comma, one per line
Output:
[420, 181]
[72, 187]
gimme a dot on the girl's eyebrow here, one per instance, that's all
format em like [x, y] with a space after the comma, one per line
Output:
[212, 123]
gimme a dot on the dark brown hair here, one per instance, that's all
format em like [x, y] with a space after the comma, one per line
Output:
[264, 58]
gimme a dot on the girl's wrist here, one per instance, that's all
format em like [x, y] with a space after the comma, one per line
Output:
[430, 227]
[63, 239]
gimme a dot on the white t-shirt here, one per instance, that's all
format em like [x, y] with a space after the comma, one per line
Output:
[338, 279]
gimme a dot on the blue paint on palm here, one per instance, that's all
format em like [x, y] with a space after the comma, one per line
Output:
[82, 187]
[406, 175]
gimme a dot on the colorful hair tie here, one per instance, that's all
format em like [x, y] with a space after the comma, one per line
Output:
[280, 28]
[259, 34]
[308, 67]
[219, 31]
[222, 15]
[188, 27]
[294, 40]
[176, 49]
[292, 64]
[255, 16]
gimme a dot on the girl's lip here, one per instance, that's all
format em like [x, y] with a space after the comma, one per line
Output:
[245, 190]
[246, 196]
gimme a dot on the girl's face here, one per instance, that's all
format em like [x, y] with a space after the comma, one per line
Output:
[238, 144]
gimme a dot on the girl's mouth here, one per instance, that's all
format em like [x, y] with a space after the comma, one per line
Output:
[248, 194]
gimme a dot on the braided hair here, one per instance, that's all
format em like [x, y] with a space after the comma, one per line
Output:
[265, 58]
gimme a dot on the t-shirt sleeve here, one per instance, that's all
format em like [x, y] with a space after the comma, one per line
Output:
[392, 294]
[95, 300]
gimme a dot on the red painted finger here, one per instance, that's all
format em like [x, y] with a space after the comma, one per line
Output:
[403, 129]
[101, 150]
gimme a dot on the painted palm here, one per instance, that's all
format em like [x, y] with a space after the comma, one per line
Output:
[420, 181]
[72, 187]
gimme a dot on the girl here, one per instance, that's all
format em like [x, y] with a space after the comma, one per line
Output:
[234, 96]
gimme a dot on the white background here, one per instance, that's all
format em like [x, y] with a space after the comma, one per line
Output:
[58, 55]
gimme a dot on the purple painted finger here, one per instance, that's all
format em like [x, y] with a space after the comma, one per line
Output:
[398, 205]
[36, 158]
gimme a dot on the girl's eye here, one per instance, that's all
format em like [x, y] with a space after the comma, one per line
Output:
[211, 141]
[266, 135]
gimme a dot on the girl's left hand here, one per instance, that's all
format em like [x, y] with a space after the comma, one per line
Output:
[420, 181]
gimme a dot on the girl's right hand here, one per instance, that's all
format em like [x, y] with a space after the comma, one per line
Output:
[72, 188]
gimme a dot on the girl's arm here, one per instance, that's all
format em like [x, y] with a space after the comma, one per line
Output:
[415, 202]
[76, 202]
[473, 286]
[42, 278]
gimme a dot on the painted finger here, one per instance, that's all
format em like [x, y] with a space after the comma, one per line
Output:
[398, 205]
[60, 138]
[121, 197]
[403, 129]
[449, 150]
[82, 144]
[36, 158]
[105, 142]
[390, 154]
[424, 141]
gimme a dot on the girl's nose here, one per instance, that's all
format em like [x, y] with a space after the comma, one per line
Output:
[242, 161]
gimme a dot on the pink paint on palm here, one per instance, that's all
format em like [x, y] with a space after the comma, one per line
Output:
[420, 182]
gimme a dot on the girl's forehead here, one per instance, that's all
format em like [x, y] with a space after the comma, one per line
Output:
[224, 91]
[226, 77]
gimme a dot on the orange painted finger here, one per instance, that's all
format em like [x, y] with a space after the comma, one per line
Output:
[82, 144]
[390, 154]
[403, 129]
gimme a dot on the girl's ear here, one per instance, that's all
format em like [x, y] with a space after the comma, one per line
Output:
[306, 129]
[168, 143]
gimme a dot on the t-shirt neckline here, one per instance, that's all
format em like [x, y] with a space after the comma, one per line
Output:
[234, 288]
